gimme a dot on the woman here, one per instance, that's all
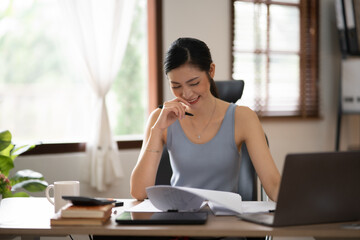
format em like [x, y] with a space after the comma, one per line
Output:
[203, 148]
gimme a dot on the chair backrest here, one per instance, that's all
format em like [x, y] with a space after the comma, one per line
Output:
[229, 91]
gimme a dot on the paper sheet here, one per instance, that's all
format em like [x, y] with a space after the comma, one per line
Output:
[247, 207]
[166, 198]
[144, 206]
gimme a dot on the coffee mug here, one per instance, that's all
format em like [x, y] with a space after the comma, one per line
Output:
[62, 188]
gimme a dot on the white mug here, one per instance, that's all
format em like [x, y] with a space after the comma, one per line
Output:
[62, 188]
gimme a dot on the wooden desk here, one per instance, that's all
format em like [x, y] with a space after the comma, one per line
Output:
[30, 217]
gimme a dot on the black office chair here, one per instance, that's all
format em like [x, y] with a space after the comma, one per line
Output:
[230, 91]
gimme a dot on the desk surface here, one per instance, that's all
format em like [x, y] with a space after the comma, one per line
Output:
[31, 216]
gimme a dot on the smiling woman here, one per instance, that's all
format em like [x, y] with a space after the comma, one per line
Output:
[212, 138]
[43, 96]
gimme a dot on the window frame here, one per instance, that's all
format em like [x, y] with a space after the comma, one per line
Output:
[309, 28]
[155, 89]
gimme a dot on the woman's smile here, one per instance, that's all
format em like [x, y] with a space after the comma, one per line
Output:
[194, 100]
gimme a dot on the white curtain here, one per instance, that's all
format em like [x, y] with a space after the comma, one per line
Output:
[100, 31]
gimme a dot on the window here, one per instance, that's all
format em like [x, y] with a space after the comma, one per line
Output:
[43, 96]
[275, 53]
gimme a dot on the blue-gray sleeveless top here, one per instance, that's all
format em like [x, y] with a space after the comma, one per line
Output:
[213, 165]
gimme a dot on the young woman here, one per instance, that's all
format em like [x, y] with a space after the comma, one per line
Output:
[204, 148]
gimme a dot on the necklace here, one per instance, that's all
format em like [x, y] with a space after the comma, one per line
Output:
[212, 114]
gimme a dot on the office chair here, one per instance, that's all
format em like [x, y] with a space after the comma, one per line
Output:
[230, 91]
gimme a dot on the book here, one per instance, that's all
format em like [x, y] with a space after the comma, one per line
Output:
[170, 198]
[75, 211]
[57, 220]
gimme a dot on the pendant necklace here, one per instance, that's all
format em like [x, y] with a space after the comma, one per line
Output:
[212, 114]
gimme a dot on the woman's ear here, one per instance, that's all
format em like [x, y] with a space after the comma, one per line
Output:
[212, 70]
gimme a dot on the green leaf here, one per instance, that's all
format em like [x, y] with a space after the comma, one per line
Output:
[18, 194]
[7, 150]
[31, 185]
[6, 164]
[5, 139]
[6, 193]
[17, 150]
[27, 174]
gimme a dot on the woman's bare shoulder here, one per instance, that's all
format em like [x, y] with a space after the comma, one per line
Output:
[244, 112]
[246, 119]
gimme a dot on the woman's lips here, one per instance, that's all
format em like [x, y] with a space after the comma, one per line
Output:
[194, 100]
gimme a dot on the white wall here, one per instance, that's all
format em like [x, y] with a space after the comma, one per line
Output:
[209, 20]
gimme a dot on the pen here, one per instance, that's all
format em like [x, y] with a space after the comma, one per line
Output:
[186, 113]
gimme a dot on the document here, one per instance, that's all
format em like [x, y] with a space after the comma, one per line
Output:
[169, 198]
[144, 206]
[247, 207]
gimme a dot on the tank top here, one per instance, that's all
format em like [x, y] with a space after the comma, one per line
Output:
[213, 165]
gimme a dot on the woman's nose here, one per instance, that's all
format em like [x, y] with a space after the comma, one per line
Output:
[186, 92]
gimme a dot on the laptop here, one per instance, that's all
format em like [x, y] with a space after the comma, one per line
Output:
[316, 188]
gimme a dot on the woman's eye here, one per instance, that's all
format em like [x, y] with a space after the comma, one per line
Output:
[194, 84]
[174, 87]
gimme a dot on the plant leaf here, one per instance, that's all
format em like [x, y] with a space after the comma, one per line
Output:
[17, 150]
[31, 185]
[7, 150]
[6, 164]
[18, 194]
[27, 174]
[5, 139]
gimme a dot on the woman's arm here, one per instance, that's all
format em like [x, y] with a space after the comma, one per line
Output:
[250, 131]
[144, 173]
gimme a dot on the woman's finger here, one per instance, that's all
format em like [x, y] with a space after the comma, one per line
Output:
[175, 104]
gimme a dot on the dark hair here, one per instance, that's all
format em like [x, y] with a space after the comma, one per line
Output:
[193, 52]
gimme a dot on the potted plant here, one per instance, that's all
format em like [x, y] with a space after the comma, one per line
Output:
[24, 179]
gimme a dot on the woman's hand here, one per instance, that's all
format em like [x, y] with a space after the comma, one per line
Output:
[171, 111]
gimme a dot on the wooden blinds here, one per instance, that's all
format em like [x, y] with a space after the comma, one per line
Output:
[275, 51]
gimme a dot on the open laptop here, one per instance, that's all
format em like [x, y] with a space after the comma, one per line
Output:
[316, 188]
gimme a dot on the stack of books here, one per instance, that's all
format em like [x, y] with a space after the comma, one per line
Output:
[82, 215]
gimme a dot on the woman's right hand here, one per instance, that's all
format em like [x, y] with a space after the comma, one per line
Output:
[170, 112]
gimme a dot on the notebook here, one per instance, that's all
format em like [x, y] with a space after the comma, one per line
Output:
[316, 188]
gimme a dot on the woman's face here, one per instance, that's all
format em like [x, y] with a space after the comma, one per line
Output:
[191, 84]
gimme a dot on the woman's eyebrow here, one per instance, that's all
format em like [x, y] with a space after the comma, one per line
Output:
[192, 79]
